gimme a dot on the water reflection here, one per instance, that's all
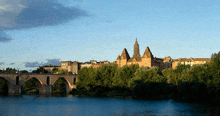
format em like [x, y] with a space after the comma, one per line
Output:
[56, 105]
[56, 95]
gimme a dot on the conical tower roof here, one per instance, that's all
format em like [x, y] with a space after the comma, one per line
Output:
[136, 43]
[125, 54]
[147, 53]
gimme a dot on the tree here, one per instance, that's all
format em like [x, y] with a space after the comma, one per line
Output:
[24, 71]
[124, 75]
[170, 75]
[147, 74]
[54, 69]
[41, 70]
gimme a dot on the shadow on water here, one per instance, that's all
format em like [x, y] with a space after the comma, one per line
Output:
[38, 95]
[55, 95]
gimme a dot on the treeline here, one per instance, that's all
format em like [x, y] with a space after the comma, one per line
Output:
[199, 82]
[12, 70]
[41, 70]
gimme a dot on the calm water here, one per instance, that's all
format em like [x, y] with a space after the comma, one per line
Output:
[33, 105]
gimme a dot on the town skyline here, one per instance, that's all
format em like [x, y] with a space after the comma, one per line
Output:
[100, 30]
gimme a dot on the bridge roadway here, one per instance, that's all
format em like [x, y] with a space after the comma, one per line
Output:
[46, 81]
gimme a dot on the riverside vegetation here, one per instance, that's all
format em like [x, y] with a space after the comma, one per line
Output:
[185, 83]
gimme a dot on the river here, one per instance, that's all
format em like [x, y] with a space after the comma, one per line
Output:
[33, 105]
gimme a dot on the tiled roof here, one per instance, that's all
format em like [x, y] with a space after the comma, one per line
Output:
[201, 59]
[192, 59]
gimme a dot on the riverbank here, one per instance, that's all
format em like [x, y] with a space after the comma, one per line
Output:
[128, 95]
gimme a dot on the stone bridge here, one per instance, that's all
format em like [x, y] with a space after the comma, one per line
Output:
[46, 81]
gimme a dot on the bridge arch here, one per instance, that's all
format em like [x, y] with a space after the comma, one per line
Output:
[67, 83]
[7, 83]
[36, 79]
[32, 85]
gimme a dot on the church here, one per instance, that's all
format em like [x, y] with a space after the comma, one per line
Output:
[146, 59]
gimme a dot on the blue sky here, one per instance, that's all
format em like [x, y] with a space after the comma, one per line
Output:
[41, 32]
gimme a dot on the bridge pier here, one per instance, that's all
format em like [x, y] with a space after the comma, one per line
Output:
[45, 89]
[14, 90]
[68, 90]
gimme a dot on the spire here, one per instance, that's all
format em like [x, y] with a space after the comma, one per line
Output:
[147, 52]
[136, 49]
[125, 54]
[136, 43]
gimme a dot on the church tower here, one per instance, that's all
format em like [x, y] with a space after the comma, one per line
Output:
[136, 49]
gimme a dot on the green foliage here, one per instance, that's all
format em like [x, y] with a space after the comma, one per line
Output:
[54, 69]
[146, 74]
[41, 70]
[124, 75]
[181, 67]
[9, 70]
[59, 86]
[170, 75]
[196, 73]
[13, 71]
[24, 71]
[86, 78]
[31, 86]
[91, 77]
[199, 82]
[59, 71]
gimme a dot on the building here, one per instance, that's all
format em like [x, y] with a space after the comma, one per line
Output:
[114, 62]
[86, 64]
[189, 61]
[98, 64]
[74, 67]
[65, 64]
[167, 62]
[146, 59]
[94, 63]
[49, 68]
